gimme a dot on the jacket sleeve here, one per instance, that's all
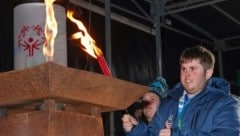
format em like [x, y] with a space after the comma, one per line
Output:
[142, 129]
[139, 130]
[226, 120]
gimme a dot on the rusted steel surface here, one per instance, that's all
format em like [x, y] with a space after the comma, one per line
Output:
[54, 100]
[51, 123]
[67, 85]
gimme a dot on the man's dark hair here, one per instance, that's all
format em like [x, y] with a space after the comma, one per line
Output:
[205, 56]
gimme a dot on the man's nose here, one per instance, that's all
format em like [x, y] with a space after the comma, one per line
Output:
[187, 72]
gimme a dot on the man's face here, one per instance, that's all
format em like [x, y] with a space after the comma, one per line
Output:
[151, 102]
[193, 76]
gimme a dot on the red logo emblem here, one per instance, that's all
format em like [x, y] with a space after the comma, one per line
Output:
[31, 38]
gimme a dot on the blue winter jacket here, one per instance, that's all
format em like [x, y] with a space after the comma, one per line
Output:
[213, 112]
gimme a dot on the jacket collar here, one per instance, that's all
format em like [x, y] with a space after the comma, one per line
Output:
[213, 84]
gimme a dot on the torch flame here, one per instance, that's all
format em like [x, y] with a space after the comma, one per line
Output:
[50, 30]
[86, 40]
[89, 44]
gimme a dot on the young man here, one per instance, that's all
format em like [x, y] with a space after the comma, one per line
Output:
[150, 102]
[197, 106]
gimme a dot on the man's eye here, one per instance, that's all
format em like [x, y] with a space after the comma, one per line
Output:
[184, 69]
[193, 68]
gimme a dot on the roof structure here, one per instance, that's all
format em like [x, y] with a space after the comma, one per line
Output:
[215, 22]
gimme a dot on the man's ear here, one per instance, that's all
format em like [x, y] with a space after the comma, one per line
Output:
[209, 73]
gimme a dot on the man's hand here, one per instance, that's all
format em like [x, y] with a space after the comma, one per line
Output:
[128, 122]
[166, 131]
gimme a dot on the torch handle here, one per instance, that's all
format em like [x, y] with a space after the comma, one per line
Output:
[103, 65]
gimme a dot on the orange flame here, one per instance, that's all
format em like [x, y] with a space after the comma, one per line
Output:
[86, 40]
[89, 44]
[50, 30]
